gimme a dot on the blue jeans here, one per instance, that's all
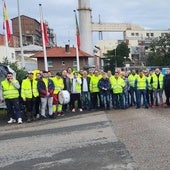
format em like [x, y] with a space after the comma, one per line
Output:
[105, 97]
[126, 97]
[86, 104]
[133, 95]
[119, 101]
[155, 95]
[141, 93]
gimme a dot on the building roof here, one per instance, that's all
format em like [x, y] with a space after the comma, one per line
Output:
[56, 52]
[30, 47]
[26, 17]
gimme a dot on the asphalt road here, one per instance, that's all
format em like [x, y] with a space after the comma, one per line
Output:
[80, 142]
[146, 135]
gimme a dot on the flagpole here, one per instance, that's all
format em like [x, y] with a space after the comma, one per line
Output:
[77, 48]
[20, 36]
[6, 43]
[43, 38]
[6, 36]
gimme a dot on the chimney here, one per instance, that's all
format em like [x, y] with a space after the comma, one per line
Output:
[67, 50]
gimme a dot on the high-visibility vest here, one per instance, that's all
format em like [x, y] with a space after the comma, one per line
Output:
[94, 84]
[27, 90]
[132, 79]
[77, 86]
[149, 82]
[58, 85]
[9, 90]
[155, 81]
[90, 75]
[117, 85]
[141, 82]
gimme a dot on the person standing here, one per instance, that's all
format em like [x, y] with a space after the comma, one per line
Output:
[156, 81]
[58, 86]
[104, 86]
[76, 92]
[133, 94]
[117, 85]
[29, 93]
[94, 89]
[126, 89]
[167, 87]
[46, 89]
[111, 76]
[10, 90]
[67, 86]
[85, 91]
[141, 84]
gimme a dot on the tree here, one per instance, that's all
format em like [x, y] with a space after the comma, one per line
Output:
[20, 72]
[159, 54]
[115, 58]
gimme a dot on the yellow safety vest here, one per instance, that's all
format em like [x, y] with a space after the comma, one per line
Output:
[58, 85]
[117, 85]
[141, 82]
[27, 91]
[155, 81]
[132, 79]
[94, 83]
[149, 82]
[9, 90]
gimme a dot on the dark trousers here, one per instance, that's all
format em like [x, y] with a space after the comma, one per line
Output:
[105, 98]
[149, 97]
[119, 101]
[86, 104]
[75, 97]
[96, 101]
[37, 103]
[167, 94]
[13, 108]
[133, 95]
[141, 93]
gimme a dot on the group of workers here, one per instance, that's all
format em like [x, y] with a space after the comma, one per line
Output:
[88, 90]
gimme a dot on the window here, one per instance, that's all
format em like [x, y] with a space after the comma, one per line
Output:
[74, 63]
[12, 56]
[137, 34]
[50, 63]
[152, 34]
[147, 34]
[132, 34]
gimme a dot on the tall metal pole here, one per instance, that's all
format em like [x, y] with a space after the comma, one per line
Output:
[44, 46]
[20, 36]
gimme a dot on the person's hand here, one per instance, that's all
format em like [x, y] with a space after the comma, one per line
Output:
[48, 94]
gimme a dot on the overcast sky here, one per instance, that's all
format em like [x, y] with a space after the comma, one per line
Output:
[150, 14]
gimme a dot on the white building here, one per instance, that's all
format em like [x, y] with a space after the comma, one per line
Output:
[137, 40]
[8, 53]
[30, 63]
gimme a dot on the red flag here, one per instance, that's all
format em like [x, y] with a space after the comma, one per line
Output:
[6, 23]
[77, 32]
[44, 29]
